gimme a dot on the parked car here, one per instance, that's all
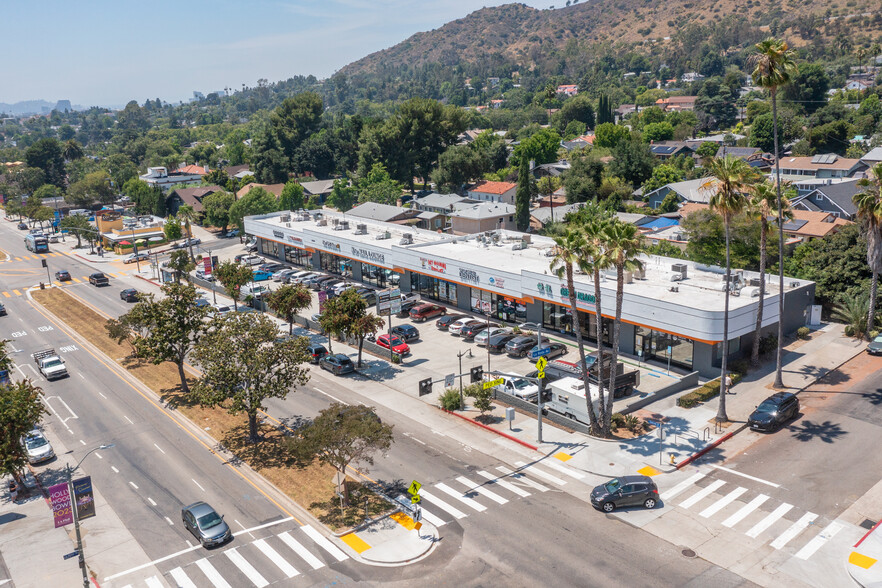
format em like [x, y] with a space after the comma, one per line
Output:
[2, 309]
[260, 275]
[316, 351]
[205, 524]
[370, 296]
[282, 274]
[220, 309]
[520, 387]
[255, 290]
[129, 295]
[62, 276]
[445, 321]
[528, 326]
[310, 280]
[249, 259]
[625, 491]
[318, 284]
[875, 346]
[338, 364]
[99, 279]
[520, 345]
[201, 302]
[301, 278]
[341, 287]
[423, 312]
[455, 328]
[135, 257]
[272, 267]
[22, 226]
[191, 241]
[483, 336]
[555, 350]
[497, 343]
[200, 273]
[773, 412]
[398, 346]
[36, 447]
[407, 333]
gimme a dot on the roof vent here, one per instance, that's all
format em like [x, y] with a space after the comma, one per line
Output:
[383, 235]
[406, 239]
[285, 218]
[361, 229]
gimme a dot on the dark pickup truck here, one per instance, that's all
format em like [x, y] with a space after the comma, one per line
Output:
[626, 382]
[99, 279]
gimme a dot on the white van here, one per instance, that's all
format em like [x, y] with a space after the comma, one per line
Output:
[568, 399]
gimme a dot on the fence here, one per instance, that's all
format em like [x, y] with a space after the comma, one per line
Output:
[548, 415]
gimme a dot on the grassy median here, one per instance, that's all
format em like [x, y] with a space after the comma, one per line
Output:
[311, 486]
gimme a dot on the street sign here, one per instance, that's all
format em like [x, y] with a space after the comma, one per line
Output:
[415, 499]
[540, 365]
[541, 352]
[540, 374]
[449, 380]
[491, 383]
[414, 488]
[84, 498]
[71, 554]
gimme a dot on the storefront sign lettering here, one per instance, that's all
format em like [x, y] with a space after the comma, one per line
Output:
[278, 234]
[296, 240]
[498, 282]
[435, 266]
[369, 255]
[545, 289]
[580, 296]
[331, 245]
[470, 276]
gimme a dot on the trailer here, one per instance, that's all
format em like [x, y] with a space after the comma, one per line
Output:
[566, 396]
[626, 381]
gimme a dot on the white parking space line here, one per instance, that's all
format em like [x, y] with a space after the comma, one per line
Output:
[115, 471]
[133, 485]
[540, 473]
[461, 497]
[522, 478]
[131, 422]
[300, 550]
[481, 490]
[435, 501]
[437, 521]
[503, 484]
[98, 455]
[703, 493]
[671, 492]
[769, 520]
[181, 579]
[246, 568]
[277, 559]
[153, 582]
[82, 442]
[815, 544]
[563, 469]
[723, 502]
[323, 542]
[745, 510]
[737, 473]
[103, 396]
[794, 530]
[212, 574]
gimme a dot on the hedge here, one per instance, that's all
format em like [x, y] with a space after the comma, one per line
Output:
[706, 392]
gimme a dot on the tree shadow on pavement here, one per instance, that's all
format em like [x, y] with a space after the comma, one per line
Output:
[269, 452]
[874, 397]
[827, 431]
[825, 375]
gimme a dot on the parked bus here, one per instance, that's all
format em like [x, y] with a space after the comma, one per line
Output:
[37, 243]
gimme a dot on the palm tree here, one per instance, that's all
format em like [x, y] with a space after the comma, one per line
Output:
[869, 209]
[763, 204]
[774, 66]
[623, 245]
[875, 50]
[571, 249]
[730, 178]
[860, 53]
[187, 213]
[72, 150]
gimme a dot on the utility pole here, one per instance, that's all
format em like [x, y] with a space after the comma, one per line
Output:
[76, 518]
[541, 390]
[460, 356]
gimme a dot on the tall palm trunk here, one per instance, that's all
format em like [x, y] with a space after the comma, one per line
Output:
[614, 355]
[779, 356]
[872, 313]
[754, 354]
[606, 404]
[722, 417]
[577, 329]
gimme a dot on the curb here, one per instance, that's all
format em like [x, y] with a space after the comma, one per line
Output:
[867, 534]
[713, 445]
[492, 430]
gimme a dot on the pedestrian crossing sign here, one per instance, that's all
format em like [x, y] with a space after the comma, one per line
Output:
[414, 489]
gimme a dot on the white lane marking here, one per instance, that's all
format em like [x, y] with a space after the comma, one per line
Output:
[98, 455]
[435, 520]
[409, 436]
[744, 511]
[438, 433]
[815, 544]
[461, 497]
[737, 473]
[540, 473]
[153, 582]
[159, 448]
[181, 578]
[503, 484]
[794, 530]
[197, 483]
[81, 375]
[563, 469]
[169, 521]
[103, 396]
[769, 520]
[115, 471]
[300, 550]
[522, 478]
[82, 442]
[271, 524]
[331, 397]
[323, 542]
[671, 492]
[723, 502]
[703, 493]
[151, 501]
[481, 490]
[154, 562]
[212, 574]
[287, 569]
[244, 530]
[128, 419]
[246, 568]
[133, 485]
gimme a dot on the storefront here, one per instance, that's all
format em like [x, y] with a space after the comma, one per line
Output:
[663, 347]
[498, 306]
[295, 256]
[379, 276]
[335, 264]
[434, 288]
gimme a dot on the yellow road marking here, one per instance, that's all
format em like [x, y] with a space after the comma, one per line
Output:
[563, 456]
[403, 520]
[77, 280]
[7, 294]
[18, 259]
[860, 560]
[57, 284]
[111, 275]
[17, 293]
[86, 278]
[648, 471]
[43, 255]
[355, 542]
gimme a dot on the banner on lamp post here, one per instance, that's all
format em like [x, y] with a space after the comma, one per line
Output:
[84, 498]
[59, 497]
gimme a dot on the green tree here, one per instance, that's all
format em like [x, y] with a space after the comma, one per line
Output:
[761, 133]
[482, 399]
[172, 229]
[458, 165]
[291, 198]
[575, 109]
[670, 203]
[95, 187]
[378, 186]
[243, 364]
[256, 201]
[807, 89]
[187, 215]
[232, 276]
[43, 214]
[707, 150]
[661, 131]
[72, 150]
[216, 208]
[582, 181]
[182, 264]
[523, 195]
[633, 161]
[605, 112]
[608, 135]
[541, 148]
[216, 177]
[159, 209]
[343, 435]
[140, 193]
[47, 155]
[831, 137]
[869, 211]
[76, 224]
[21, 409]
[343, 196]
[288, 300]
[369, 324]
[662, 175]
[45, 192]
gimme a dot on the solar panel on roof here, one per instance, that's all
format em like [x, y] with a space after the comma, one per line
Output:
[794, 225]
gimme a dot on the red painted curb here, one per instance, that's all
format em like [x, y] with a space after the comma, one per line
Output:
[148, 280]
[491, 429]
[867, 534]
[94, 581]
[695, 456]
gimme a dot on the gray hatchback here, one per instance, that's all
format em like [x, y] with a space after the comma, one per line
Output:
[625, 491]
[205, 524]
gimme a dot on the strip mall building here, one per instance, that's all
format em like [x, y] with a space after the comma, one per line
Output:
[672, 309]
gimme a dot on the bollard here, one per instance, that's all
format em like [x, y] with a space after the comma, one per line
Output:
[673, 456]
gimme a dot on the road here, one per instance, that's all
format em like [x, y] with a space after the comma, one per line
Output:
[535, 535]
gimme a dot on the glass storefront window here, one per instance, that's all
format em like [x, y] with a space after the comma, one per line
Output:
[335, 264]
[434, 288]
[270, 248]
[651, 344]
[379, 276]
[297, 256]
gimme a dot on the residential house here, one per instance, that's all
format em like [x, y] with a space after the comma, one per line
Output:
[164, 179]
[568, 89]
[577, 143]
[496, 103]
[822, 166]
[385, 213]
[190, 196]
[872, 157]
[541, 216]
[810, 224]
[744, 153]
[435, 209]
[692, 76]
[275, 189]
[672, 103]
[835, 199]
[624, 110]
[686, 191]
[484, 216]
[719, 139]
[664, 150]
[239, 171]
[321, 189]
[485, 191]
[551, 169]
[859, 85]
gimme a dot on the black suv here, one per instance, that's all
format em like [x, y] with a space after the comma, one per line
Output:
[774, 411]
[407, 333]
[625, 491]
[337, 364]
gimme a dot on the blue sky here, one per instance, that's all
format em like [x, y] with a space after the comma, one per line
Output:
[106, 53]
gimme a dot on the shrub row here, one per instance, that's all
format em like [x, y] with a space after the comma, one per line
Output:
[706, 392]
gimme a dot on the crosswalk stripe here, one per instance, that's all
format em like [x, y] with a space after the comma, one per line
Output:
[503, 484]
[744, 511]
[300, 550]
[481, 490]
[17, 293]
[435, 520]
[153, 582]
[701, 494]
[7, 294]
[246, 568]
[277, 559]
[18, 259]
[769, 520]
[461, 497]
[323, 542]
[540, 473]
[181, 578]
[76, 280]
[521, 477]
[564, 469]
[450, 509]
[722, 502]
[212, 574]
[815, 544]
[794, 530]
[671, 492]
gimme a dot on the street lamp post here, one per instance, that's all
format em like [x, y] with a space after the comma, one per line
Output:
[76, 518]
[135, 245]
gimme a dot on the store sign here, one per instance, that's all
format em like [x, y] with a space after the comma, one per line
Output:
[331, 245]
[580, 296]
[435, 266]
[278, 234]
[368, 255]
[469, 276]
[545, 289]
[497, 282]
[296, 240]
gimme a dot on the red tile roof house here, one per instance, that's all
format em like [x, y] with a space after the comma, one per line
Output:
[568, 89]
[493, 192]
[676, 103]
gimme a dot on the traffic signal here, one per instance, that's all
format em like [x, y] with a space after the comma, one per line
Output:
[477, 374]
[425, 386]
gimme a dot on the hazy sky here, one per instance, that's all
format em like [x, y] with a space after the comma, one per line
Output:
[107, 53]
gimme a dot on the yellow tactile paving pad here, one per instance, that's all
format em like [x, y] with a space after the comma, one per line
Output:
[355, 542]
[403, 520]
[860, 560]
[648, 471]
[563, 456]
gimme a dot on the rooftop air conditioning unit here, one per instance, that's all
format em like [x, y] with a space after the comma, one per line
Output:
[519, 245]
[406, 239]
[288, 225]
[361, 229]
[640, 273]
[383, 235]
[322, 222]
[754, 283]
[675, 277]
[680, 268]
[751, 292]
[628, 277]
[794, 284]
[721, 286]
[285, 218]
[344, 225]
